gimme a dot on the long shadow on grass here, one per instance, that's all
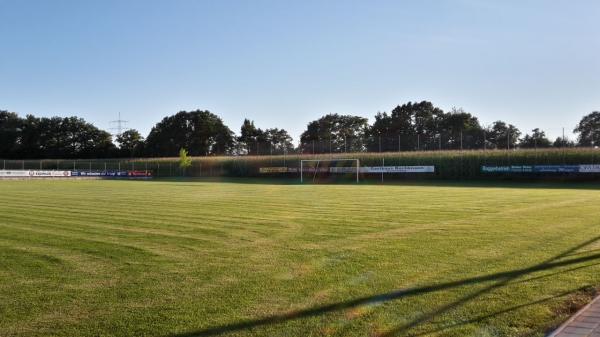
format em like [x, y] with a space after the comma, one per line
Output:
[503, 279]
[483, 318]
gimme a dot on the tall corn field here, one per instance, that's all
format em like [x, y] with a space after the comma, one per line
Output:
[448, 164]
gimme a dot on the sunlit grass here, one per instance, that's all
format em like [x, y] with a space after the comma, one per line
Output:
[240, 258]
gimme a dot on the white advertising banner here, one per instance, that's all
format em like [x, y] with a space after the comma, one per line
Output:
[397, 169]
[376, 169]
[589, 168]
[41, 174]
[14, 173]
[33, 173]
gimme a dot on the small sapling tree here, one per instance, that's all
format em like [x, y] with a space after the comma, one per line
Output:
[184, 160]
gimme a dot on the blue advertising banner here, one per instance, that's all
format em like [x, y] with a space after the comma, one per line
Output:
[542, 169]
[556, 168]
[99, 173]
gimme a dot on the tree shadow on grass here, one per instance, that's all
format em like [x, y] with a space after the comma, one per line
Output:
[502, 278]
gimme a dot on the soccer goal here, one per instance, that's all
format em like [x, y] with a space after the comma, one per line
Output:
[315, 168]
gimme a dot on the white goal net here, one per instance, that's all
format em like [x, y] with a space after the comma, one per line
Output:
[316, 170]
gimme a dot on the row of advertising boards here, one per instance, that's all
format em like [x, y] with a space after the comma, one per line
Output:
[66, 174]
[431, 169]
[542, 169]
[347, 169]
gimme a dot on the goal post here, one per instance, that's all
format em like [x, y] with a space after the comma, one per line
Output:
[316, 168]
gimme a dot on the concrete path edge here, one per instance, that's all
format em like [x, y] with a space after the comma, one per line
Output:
[572, 322]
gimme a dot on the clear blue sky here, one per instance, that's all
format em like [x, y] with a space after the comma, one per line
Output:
[285, 63]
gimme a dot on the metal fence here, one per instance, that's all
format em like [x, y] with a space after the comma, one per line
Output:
[158, 168]
[404, 143]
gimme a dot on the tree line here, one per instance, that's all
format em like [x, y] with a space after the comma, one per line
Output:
[408, 127]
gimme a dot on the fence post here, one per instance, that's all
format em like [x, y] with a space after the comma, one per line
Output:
[383, 167]
[484, 141]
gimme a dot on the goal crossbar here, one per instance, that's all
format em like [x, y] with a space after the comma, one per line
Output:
[318, 161]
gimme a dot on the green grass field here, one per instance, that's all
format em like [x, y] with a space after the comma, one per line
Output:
[240, 258]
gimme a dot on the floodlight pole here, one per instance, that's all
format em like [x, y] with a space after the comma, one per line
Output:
[301, 171]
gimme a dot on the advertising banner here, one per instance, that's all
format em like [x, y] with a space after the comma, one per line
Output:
[508, 169]
[99, 173]
[542, 169]
[589, 168]
[345, 169]
[372, 169]
[34, 173]
[279, 169]
[316, 169]
[397, 169]
[556, 168]
[14, 173]
[139, 173]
